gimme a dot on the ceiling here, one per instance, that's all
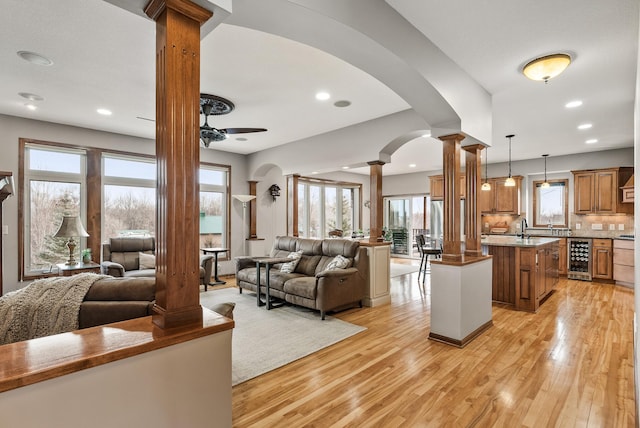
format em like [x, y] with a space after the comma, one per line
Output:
[273, 80]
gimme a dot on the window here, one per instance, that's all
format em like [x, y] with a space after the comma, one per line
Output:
[550, 205]
[214, 203]
[324, 206]
[129, 196]
[54, 185]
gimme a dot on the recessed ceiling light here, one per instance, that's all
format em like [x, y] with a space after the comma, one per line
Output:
[412, 165]
[342, 103]
[241, 139]
[322, 96]
[314, 172]
[585, 126]
[573, 104]
[427, 134]
[34, 58]
[592, 141]
[345, 167]
[31, 107]
[104, 112]
[31, 97]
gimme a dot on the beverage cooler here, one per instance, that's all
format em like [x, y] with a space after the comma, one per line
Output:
[579, 257]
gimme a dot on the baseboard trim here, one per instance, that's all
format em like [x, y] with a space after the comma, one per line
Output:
[466, 340]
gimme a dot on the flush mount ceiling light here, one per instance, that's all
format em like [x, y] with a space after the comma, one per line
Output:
[485, 186]
[546, 67]
[510, 182]
[34, 58]
[546, 184]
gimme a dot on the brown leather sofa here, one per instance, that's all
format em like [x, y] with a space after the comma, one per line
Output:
[311, 285]
[120, 258]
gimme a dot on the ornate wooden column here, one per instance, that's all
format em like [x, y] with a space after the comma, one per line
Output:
[376, 221]
[94, 203]
[253, 211]
[178, 160]
[292, 204]
[472, 221]
[451, 170]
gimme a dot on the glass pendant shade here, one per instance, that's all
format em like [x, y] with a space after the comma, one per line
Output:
[546, 67]
[546, 184]
[485, 186]
[510, 182]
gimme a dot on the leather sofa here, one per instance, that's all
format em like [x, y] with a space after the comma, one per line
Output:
[121, 258]
[311, 285]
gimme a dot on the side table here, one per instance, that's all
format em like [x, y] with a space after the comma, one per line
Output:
[267, 262]
[215, 251]
[68, 270]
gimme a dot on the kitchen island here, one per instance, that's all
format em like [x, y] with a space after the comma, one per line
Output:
[525, 270]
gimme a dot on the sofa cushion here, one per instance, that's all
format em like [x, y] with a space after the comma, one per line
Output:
[338, 262]
[277, 279]
[146, 261]
[303, 286]
[140, 273]
[307, 265]
[291, 266]
[122, 289]
[343, 247]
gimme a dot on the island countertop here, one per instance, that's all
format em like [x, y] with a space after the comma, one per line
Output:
[515, 241]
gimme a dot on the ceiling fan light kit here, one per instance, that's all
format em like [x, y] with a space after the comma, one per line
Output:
[546, 67]
[213, 105]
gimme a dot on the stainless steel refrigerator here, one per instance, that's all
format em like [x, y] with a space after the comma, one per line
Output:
[436, 218]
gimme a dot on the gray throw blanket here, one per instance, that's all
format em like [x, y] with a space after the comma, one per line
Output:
[44, 307]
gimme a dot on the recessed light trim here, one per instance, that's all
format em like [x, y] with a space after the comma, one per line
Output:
[585, 126]
[591, 141]
[104, 112]
[342, 103]
[412, 165]
[573, 104]
[314, 172]
[34, 58]
[30, 96]
[241, 139]
[345, 167]
[31, 106]
[322, 96]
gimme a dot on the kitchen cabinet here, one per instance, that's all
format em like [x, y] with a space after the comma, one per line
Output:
[602, 259]
[623, 262]
[436, 187]
[599, 191]
[563, 258]
[500, 199]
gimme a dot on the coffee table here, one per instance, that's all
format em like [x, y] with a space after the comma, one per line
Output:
[267, 262]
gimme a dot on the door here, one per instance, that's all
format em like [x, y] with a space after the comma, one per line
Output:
[405, 217]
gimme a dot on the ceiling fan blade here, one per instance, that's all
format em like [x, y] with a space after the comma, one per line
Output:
[242, 130]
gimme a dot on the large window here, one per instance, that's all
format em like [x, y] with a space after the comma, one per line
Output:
[550, 205]
[214, 201]
[54, 186]
[324, 206]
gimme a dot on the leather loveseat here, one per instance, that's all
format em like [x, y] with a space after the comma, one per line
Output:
[121, 258]
[311, 284]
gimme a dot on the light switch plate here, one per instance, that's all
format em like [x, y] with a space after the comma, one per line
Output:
[621, 227]
[596, 226]
[5, 229]
[578, 226]
[612, 226]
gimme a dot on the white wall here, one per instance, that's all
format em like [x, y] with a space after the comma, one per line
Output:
[14, 128]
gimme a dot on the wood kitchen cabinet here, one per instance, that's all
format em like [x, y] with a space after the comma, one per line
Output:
[563, 259]
[623, 262]
[436, 187]
[500, 199]
[599, 191]
[602, 259]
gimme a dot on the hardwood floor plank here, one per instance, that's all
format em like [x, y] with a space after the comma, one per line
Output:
[570, 364]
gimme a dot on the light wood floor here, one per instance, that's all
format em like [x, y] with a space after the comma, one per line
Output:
[569, 365]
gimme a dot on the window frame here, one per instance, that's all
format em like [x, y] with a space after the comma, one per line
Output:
[536, 184]
[226, 190]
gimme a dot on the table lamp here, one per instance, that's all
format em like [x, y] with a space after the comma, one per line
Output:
[71, 226]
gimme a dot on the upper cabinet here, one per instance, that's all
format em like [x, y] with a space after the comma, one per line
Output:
[436, 186]
[500, 199]
[599, 191]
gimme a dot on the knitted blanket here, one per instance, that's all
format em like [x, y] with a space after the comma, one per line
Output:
[44, 307]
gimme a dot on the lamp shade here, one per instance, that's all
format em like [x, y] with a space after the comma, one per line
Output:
[546, 67]
[244, 198]
[71, 226]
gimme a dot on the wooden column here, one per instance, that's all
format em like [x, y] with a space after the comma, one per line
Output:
[451, 170]
[253, 211]
[376, 221]
[94, 203]
[178, 160]
[292, 204]
[472, 221]
[3, 196]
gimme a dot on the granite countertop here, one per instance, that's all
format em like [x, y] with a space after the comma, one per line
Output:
[515, 241]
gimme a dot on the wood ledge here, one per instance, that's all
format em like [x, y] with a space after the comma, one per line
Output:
[466, 260]
[37, 360]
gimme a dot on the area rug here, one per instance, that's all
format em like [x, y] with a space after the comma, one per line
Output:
[265, 340]
[397, 269]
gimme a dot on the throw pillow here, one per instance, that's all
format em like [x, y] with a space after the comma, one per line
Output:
[291, 266]
[338, 262]
[147, 261]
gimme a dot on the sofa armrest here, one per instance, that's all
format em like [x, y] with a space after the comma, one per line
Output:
[206, 263]
[112, 268]
[243, 262]
[336, 273]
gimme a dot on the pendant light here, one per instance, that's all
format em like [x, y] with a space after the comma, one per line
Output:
[510, 182]
[546, 184]
[485, 186]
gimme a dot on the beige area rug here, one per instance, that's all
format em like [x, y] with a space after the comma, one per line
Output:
[396, 269]
[265, 340]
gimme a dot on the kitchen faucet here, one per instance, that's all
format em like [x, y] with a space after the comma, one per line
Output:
[523, 227]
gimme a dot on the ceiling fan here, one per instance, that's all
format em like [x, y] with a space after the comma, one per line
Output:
[215, 105]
